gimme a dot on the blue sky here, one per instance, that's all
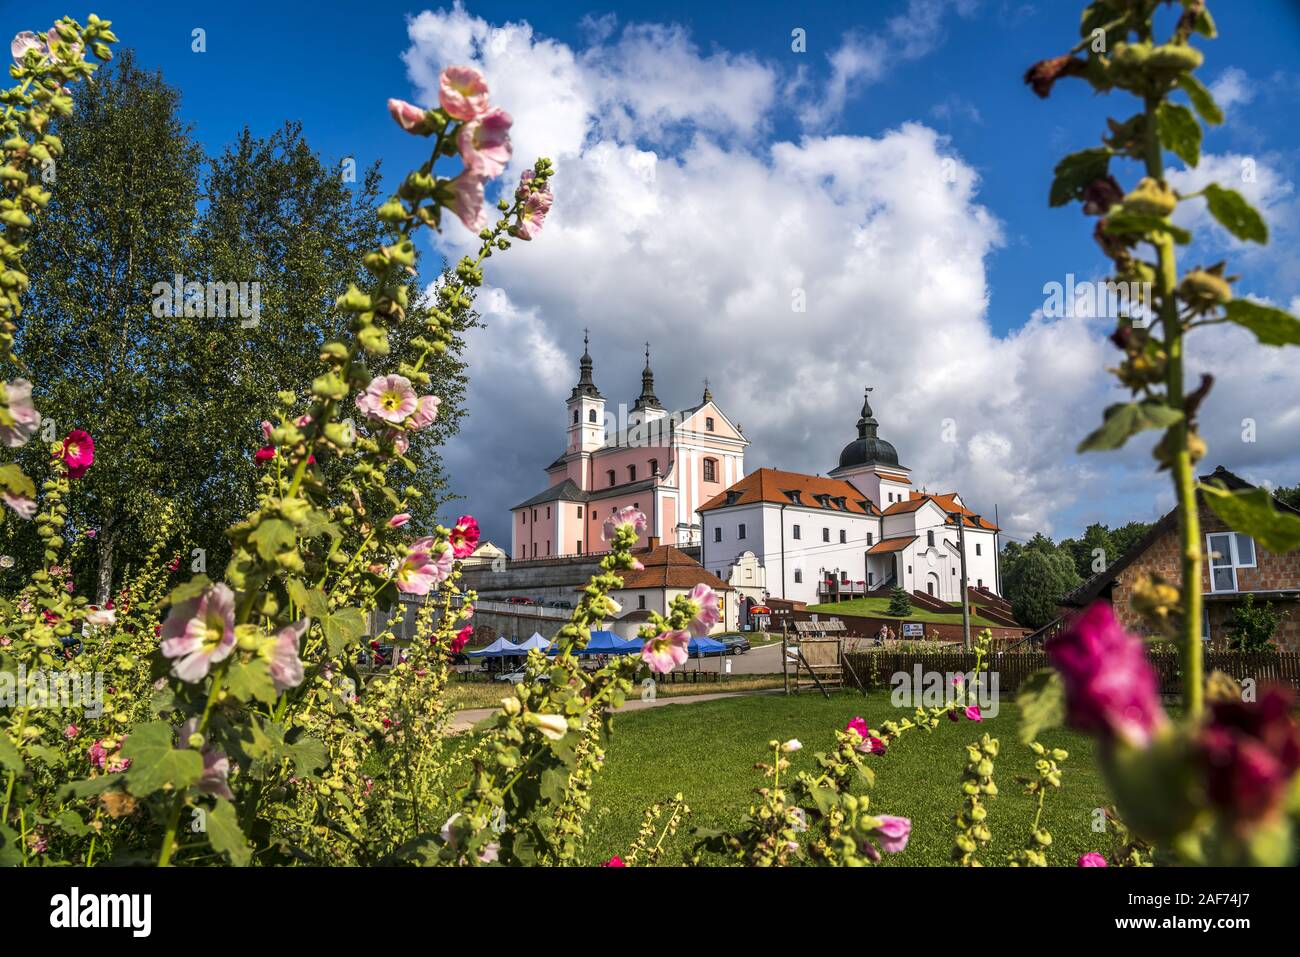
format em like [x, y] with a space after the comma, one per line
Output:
[942, 77]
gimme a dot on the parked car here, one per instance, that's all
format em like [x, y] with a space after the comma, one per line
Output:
[520, 600]
[517, 675]
[559, 604]
[736, 644]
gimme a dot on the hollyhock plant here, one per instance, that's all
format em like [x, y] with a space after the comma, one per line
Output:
[200, 632]
[19, 419]
[705, 599]
[628, 515]
[23, 506]
[464, 536]
[400, 519]
[425, 413]
[408, 116]
[461, 639]
[388, 398]
[892, 833]
[286, 666]
[216, 765]
[1110, 687]
[78, 453]
[664, 652]
[425, 565]
[466, 200]
[462, 92]
[1093, 859]
[485, 142]
[1250, 752]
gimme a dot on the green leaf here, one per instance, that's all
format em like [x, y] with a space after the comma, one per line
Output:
[1041, 700]
[1252, 513]
[308, 756]
[1179, 131]
[1272, 327]
[342, 628]
[1129, 418]
[11, 854]
[272, 536]
[190, 589]
[310, 602]
[155, 764]
[1076, 171]
[10, 759]
[88, 787]
[1204, 24]
[1122, 222]
[224, 834]
[16, 481]
[1201, 98]
[1236, 215]
[70, 822]
[249, 680]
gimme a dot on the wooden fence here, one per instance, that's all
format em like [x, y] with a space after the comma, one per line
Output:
[873, 669]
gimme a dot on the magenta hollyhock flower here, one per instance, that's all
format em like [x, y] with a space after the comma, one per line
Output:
[485, 142]
[388, 398]
[464, 536]
[400, 519]
[892, 833]
[409, 117]
[78, 453]
[97, 754]
[1093, 859]
[1250, 751]
[858, 725]
[706, 600]
[461, 640]
[200, 632]
[425, 412]
[614, 861]
[628, 515]
[665, 652]
[23, 506]
[463, 92]
[973, 713]
[1110, 687]
[467, 200]
[71, 731]
[286, 666]
[19, 419]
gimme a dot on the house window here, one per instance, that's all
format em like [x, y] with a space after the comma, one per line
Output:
[640, 602]
[741, 532]
[631, 473]
[844, 578]
[710, 470]
[579, 546]
[708, 423]
[977, 548]
[654, 466]
[1228, 552]
[591, 416]
[798, 576]
[534, 515]
[826, 534]
[929, 587]
[548, 512]
[798, 532]
[610, 476]
[579, 511]
[929, 538]
[523, 518]
[844, 536]
[717, 534]
[870, 538]
[534, 549]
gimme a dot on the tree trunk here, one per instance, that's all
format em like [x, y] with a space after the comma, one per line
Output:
[104, 573]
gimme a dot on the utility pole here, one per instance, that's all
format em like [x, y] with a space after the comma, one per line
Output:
[965, 605]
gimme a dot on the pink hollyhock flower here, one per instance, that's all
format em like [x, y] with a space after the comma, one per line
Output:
[22, 42]
[1110, 687]
[100, 617]
[1093, 859]
[78, 453]
[424, 413]
[973, 713]
[1250, 751]
[265, 454]
[286, 666]
[388, 398]
[401, 441]
[200, 632]
[614, 861]
[19, 419]
[97, 754]
[628, 515]
[706, 600]
[71, 731]
[892, 833]
[463, 92]
[23, 506]
[175, 563]
[408, 116]
[665, 652]
[491, 851]
[267, 429]
[424, 566]
[400, 519]
[467, 200]
[858, 725]
[464, 536]
[461, 640]
[536, 207]
[485, 142]
[216, 766]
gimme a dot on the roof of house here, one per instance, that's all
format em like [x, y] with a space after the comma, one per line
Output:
[566, 491]
[947, 501]
[1086, 593]
[666, 566]
[793, 488]
[892, 544]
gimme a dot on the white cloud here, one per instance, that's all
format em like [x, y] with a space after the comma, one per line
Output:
[1232, 88]
[678, 222]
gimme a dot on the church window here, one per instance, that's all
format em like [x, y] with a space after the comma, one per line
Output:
[979, 583]
[654, 466]
[534, 515]
[798, 532]
[844, 536]
[717, 534]
[710, 470]
[579, 546]
[929, 587]
[548, 513]
[610, 474]
[640, 602]
[929, 538]
[631, 473]
[741, 532]
[977, 548]
[579, 511]
[708, 423]
[826, 534]
[954, 569]
[591, 416]
[548, 546]
[798, 576]
[575, 416]
[870, 538]
[523, 518]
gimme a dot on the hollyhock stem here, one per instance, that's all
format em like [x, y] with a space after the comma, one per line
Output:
[1189, 524]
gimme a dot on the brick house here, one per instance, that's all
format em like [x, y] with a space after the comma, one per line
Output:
[1234, 566]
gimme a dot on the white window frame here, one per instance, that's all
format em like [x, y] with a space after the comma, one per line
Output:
[1234, 558]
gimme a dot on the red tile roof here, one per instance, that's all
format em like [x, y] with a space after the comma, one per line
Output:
[669, 567]
[946, 501]
[887, 545]
[772, 485]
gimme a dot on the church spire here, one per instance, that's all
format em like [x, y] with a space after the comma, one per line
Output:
[867, 421]
[586, 386]
[647, 399]
[708, 394]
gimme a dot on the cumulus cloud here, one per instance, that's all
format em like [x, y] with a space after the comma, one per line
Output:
[680, 220]
[1232, 88]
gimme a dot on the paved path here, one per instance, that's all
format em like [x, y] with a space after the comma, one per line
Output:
[466, 719]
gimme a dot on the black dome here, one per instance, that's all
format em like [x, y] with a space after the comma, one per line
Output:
[868, 448]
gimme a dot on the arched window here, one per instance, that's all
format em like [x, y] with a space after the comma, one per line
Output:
[591, 416]
[929, 538]
[575, 416]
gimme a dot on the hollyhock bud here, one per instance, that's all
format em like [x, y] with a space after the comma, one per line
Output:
[412, 118]
[1110, 687]
[462, 92]
[1101, 194]
[1044, 73]
[398, 520]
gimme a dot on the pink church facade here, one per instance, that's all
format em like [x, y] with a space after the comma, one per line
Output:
[665, 464]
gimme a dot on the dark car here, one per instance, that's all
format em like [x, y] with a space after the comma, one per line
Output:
[736, 644]
[559, 604]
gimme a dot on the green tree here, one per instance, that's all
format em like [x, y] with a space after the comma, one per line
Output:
[1289, 496]
[1035, 579]
[1251, 628]
[900, 603]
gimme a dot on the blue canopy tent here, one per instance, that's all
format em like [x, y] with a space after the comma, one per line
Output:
[606, 643]
[705, 646]
[536, 641]
[501, 648]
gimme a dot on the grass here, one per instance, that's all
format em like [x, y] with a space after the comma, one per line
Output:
[488, 694]
[707, 752]
[879, 608]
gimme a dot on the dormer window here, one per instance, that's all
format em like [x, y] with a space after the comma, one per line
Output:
[732, 497]
[793, 496]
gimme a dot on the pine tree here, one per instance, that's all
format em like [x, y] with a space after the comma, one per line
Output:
[900, 603]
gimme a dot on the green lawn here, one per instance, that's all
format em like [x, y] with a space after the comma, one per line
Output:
[879, 608]
[707, 752]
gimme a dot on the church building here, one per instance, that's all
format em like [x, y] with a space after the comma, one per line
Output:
[665, 464]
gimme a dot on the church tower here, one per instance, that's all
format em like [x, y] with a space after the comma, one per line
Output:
[586, 407]
[870, 464]
[647, 407]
